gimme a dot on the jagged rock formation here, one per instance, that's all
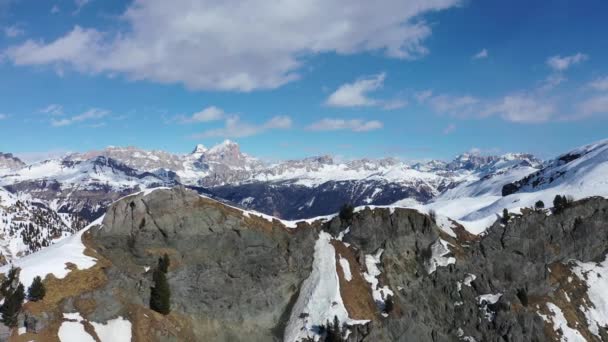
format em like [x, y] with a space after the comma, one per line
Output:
[237, 276]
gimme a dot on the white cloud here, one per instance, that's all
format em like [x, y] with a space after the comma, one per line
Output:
[394, 104]
[356, 94]
[52, 109]
[80, 5]
[235, 45]
[521, 108]
[355, 125]
[235, 128]
[448, 104]
[55, 9]
[91, 114]
[449, 129]
[559, 63]
[3, 116]
[208, 114]
[481, 54]
[13, 31]
[600, 84]
[595, 105]
[552, 81]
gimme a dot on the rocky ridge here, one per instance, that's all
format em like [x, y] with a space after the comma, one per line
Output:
[235, 275]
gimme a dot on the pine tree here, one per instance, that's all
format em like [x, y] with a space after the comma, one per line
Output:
[160, 294]
[539, 205]
[37, 290]
[505, 216]
[346, 213]
[334, 331]
[163, 263]
[12, 306]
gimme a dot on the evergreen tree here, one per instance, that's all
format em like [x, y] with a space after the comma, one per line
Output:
[163, 263]
[559, 203]
[11, 307]
[346, 213]
[539, 205]
[37, 290]
[505, 216]
[6, 286]
[160, 293]
[334, 331]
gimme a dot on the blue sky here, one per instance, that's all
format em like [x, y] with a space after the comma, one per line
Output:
[287, 79]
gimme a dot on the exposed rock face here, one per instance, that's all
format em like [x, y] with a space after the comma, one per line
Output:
[526, 262]
[236, 277]
[233, 277]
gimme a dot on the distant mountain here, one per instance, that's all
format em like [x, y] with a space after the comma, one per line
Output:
[469, 188]
[476, 203]
[8, 162]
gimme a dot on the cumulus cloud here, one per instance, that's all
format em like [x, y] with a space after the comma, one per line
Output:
[91, 114]
[13, 31]
[481, 54]
[208, 114]
[235, 45]
[355, 125]
[356, 94]
[522, 108]
[236, 128]
[600, 84]
[448, 104]
[559, 63]
[595, 105]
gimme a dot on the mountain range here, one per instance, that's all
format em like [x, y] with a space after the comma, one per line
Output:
[473, 249]
[472, 188]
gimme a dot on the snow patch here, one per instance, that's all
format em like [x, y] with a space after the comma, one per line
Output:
[319, 300]
[115, 330]
[380, 294]
[560, 324]
[595, 276]
[346, 269]
[439, 250]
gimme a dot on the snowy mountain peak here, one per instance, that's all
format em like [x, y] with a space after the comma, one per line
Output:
[227, 146]
[199, 149]
[10, 162]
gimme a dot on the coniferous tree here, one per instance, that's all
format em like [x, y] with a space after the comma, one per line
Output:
[160, 293]
[6, 286]
[505, 216]
[163, 263]
[346, 213]
[11, 307]
[539, 205]
[37, 290]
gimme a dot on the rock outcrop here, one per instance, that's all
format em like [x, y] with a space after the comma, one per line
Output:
[235, 276]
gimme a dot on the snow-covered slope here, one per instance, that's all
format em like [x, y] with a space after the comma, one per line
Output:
[28, 225]
[579, 173]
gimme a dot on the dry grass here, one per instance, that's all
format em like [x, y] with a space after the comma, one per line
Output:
[356, 293]
[148, 325]
[75, 283]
